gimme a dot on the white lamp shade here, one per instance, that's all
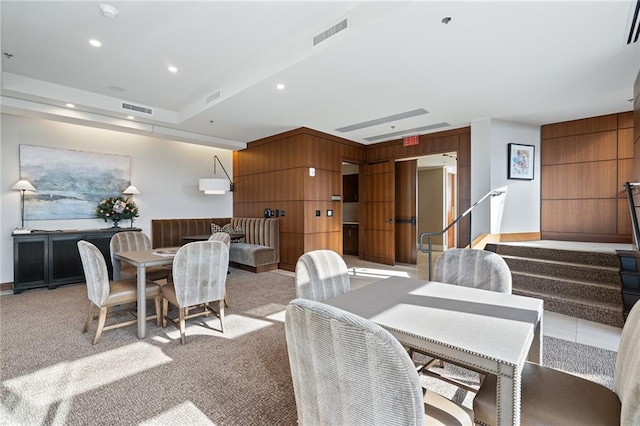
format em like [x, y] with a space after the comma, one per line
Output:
[131, 190]
[214, 186]
[23, 185]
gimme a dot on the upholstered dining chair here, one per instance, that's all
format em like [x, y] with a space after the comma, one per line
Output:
[551, 396]
[134, 241]
[104, 294]
[473, 268]
[481, 269]
[347, 370]
[226, 239]
[321, 275]
[199, 278]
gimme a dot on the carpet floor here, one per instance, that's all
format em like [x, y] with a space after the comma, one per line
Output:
[51, 374]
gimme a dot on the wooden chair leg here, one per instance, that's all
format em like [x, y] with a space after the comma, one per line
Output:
[182, 314]
[221, 313]
[165, 311]
[226, 300]
[158, 310]
[87, 324]
[101, 321]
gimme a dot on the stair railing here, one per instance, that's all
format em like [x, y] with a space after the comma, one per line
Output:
[629, 186]
[430, 235]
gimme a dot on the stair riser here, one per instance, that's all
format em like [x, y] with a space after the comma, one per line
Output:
[571, 271]
[577, 310]
[586, 258]
[558, 287]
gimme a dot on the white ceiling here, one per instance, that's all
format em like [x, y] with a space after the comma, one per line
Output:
[528, 61]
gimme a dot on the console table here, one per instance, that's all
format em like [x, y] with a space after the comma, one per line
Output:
[51, 258]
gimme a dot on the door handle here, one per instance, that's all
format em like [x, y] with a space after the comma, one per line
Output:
[412, 221]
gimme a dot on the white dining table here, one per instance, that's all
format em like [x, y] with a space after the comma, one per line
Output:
[485, 331]
[142, 259]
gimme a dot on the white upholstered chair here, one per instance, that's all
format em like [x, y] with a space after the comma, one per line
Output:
[199, 277]
[226, 239]
[321, 275]
[134, 241]
[473, 268]
[551, 396]
[346, 370]
[104, 294]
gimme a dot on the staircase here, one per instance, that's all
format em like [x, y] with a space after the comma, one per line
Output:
[581, 284]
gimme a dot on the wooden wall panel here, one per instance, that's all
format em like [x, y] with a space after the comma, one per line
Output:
[321, 186]
[324, 241]
[287, 184]
[323, 223]
[624, 218]
[625, 120]
[584, 164]
[580, 180]
[291, 248]
[586, 216]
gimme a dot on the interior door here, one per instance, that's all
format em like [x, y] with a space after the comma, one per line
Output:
[406, 175]
[378, 200]
[450, 205]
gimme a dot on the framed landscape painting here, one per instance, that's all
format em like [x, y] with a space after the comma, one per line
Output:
[521, 158]
[70, 184]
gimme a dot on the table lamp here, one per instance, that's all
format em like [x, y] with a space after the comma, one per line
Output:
[22, 186]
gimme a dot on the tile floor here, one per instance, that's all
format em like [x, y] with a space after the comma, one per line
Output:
[554, 325]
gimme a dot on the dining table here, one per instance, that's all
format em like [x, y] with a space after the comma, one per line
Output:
[142, 259]
[485, 331]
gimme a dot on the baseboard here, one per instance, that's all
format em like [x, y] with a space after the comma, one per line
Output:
[6, 286]
[481, 241]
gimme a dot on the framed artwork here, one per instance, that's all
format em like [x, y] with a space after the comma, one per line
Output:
[70, 184]
[520, 158]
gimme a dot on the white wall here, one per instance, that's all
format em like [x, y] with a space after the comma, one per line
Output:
[166, 173]
[519, 209]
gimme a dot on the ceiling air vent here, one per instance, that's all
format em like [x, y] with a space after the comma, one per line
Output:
[330, 32]
[137, 108]
[634, 28]
[213, 97]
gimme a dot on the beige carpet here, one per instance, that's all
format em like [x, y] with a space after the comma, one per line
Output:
[51, 374]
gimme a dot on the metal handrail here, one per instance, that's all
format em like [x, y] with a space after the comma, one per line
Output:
[628, 186]
[493, 193]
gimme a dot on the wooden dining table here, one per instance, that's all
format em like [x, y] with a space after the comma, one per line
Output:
[485, 331]
[142, 259]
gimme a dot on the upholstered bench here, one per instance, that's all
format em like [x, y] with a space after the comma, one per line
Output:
[259, 252]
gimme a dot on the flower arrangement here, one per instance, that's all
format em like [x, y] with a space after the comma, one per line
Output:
[116, 209]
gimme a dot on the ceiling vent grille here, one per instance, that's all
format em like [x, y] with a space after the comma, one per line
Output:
[634, 28]
[417, 130]
[330, 32]
[213, 97]
[137, 108]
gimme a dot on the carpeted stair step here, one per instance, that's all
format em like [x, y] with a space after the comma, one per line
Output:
[543, 284]
[593, 258]
[575, 271]
[579, 307]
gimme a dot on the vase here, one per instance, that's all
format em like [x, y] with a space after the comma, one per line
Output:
[115, 224]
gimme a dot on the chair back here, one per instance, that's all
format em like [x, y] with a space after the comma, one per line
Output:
[128, 241]
[200, 272]
[346, 370]
[221, 236]
[626, 379]
[321, 275]
[95, 272]
[473, 268]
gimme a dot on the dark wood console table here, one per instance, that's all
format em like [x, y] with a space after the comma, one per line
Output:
[51, 258]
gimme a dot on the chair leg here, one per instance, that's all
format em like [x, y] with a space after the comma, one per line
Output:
[158, 310]
[221, 313]
[101, 320]
[182, 314]
[226, 300]
[87, 324]
[165, 311]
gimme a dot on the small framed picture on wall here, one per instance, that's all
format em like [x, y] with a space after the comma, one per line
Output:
[520, 158]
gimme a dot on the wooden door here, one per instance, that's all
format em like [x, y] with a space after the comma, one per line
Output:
[406, 175]
[378, 201]
[450, 205]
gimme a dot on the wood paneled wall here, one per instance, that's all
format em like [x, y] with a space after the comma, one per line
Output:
[584, 164]
[458, 140]
[274, 173]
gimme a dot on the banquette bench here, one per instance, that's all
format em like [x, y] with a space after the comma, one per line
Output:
[260, 250]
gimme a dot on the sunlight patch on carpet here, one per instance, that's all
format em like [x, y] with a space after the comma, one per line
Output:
[33, 395]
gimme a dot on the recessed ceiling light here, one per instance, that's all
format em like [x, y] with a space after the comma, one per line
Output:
[131, 117]
[95, 43]
[108, 11]
[280, 86]
[173, 69]
[71, 106]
